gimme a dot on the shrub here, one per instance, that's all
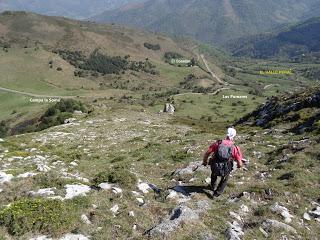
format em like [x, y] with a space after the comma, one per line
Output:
[4, 128]
[180, 156]
[46, 216]
[119, 174]
[153, 47]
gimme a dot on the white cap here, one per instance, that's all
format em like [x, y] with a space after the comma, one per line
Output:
[231, 133]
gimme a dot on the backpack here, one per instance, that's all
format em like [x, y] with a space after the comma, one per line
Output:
[223, 165]
[223, 153]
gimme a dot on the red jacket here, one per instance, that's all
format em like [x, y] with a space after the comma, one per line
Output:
[236, 152]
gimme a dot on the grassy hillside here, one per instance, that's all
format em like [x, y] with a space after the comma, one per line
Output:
[209, 21]
[300, 43]
[68, 8]
[51, 57]
[148, 159]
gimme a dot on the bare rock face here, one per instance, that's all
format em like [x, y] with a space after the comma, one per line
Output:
[271, 224]
[283, 211]
[169, 108]
[234, 232]
[182, 214]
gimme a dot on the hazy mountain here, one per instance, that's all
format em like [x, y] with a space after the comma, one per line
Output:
[212, 21]
[295, 42]
[67, 8]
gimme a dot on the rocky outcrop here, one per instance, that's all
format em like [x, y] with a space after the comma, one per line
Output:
[180, 214]
[271, 224]
[169, 108]
[280, 106]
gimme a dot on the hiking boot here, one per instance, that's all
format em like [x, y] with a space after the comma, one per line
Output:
[215, 194]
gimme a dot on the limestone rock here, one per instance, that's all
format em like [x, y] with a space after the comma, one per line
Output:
[284, 212]
[74, 237]
[315, 212]
[271, 224]
[105, 186]
[5, 177]
[85, 219]
[234, 231]
[306, 216]
[115, 209]
[43, 192]
[169, 108]
[76, 190]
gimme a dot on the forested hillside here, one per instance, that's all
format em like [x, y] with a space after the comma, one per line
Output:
[211, 21]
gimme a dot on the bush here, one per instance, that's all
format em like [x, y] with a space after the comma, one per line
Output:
[46, 216]
[58, 113]
[4, 128]
[172, 55]
[119, 175]
[180, 156]
[153, 47]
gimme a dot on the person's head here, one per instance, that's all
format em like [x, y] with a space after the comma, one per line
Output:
[231, 133]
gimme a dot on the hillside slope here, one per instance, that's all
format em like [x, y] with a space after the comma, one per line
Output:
[295, 42]
[210, 21]
[67, 8]
[125, 172]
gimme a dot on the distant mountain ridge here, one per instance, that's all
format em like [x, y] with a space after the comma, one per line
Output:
[296, 41]
[79, 9]
[210, 21]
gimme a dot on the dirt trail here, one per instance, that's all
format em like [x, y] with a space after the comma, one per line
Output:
[211, 72]
[33, 95]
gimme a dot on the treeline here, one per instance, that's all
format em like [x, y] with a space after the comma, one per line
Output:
[54, 115]
[294, 43]
[311, 73]
[98, 63]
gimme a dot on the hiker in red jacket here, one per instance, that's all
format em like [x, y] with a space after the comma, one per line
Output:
[221, 162]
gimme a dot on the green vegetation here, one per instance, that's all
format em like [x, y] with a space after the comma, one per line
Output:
[119, 174]
[103, 64]
[42, 215]
[4, 128]
[54, 115]
[153, 47]
[299, 43]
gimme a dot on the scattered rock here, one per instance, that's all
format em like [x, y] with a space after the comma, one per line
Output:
[26, 175]
[190, 169]
[271, 224]
[234, 231]
[144, 187]
[76, 190]
[315, 212]
[85, 219]
[180, 214]
[44, 192]
[306, 216]
[105, 186]
[5, 177]
[265, 234]
[284, 212]
[115, 209]
[140, 200]
[131, 213]
[169, 108]
[43, 237]
[69, 120]
[74, 237]
[116, 190]
[43, 168]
